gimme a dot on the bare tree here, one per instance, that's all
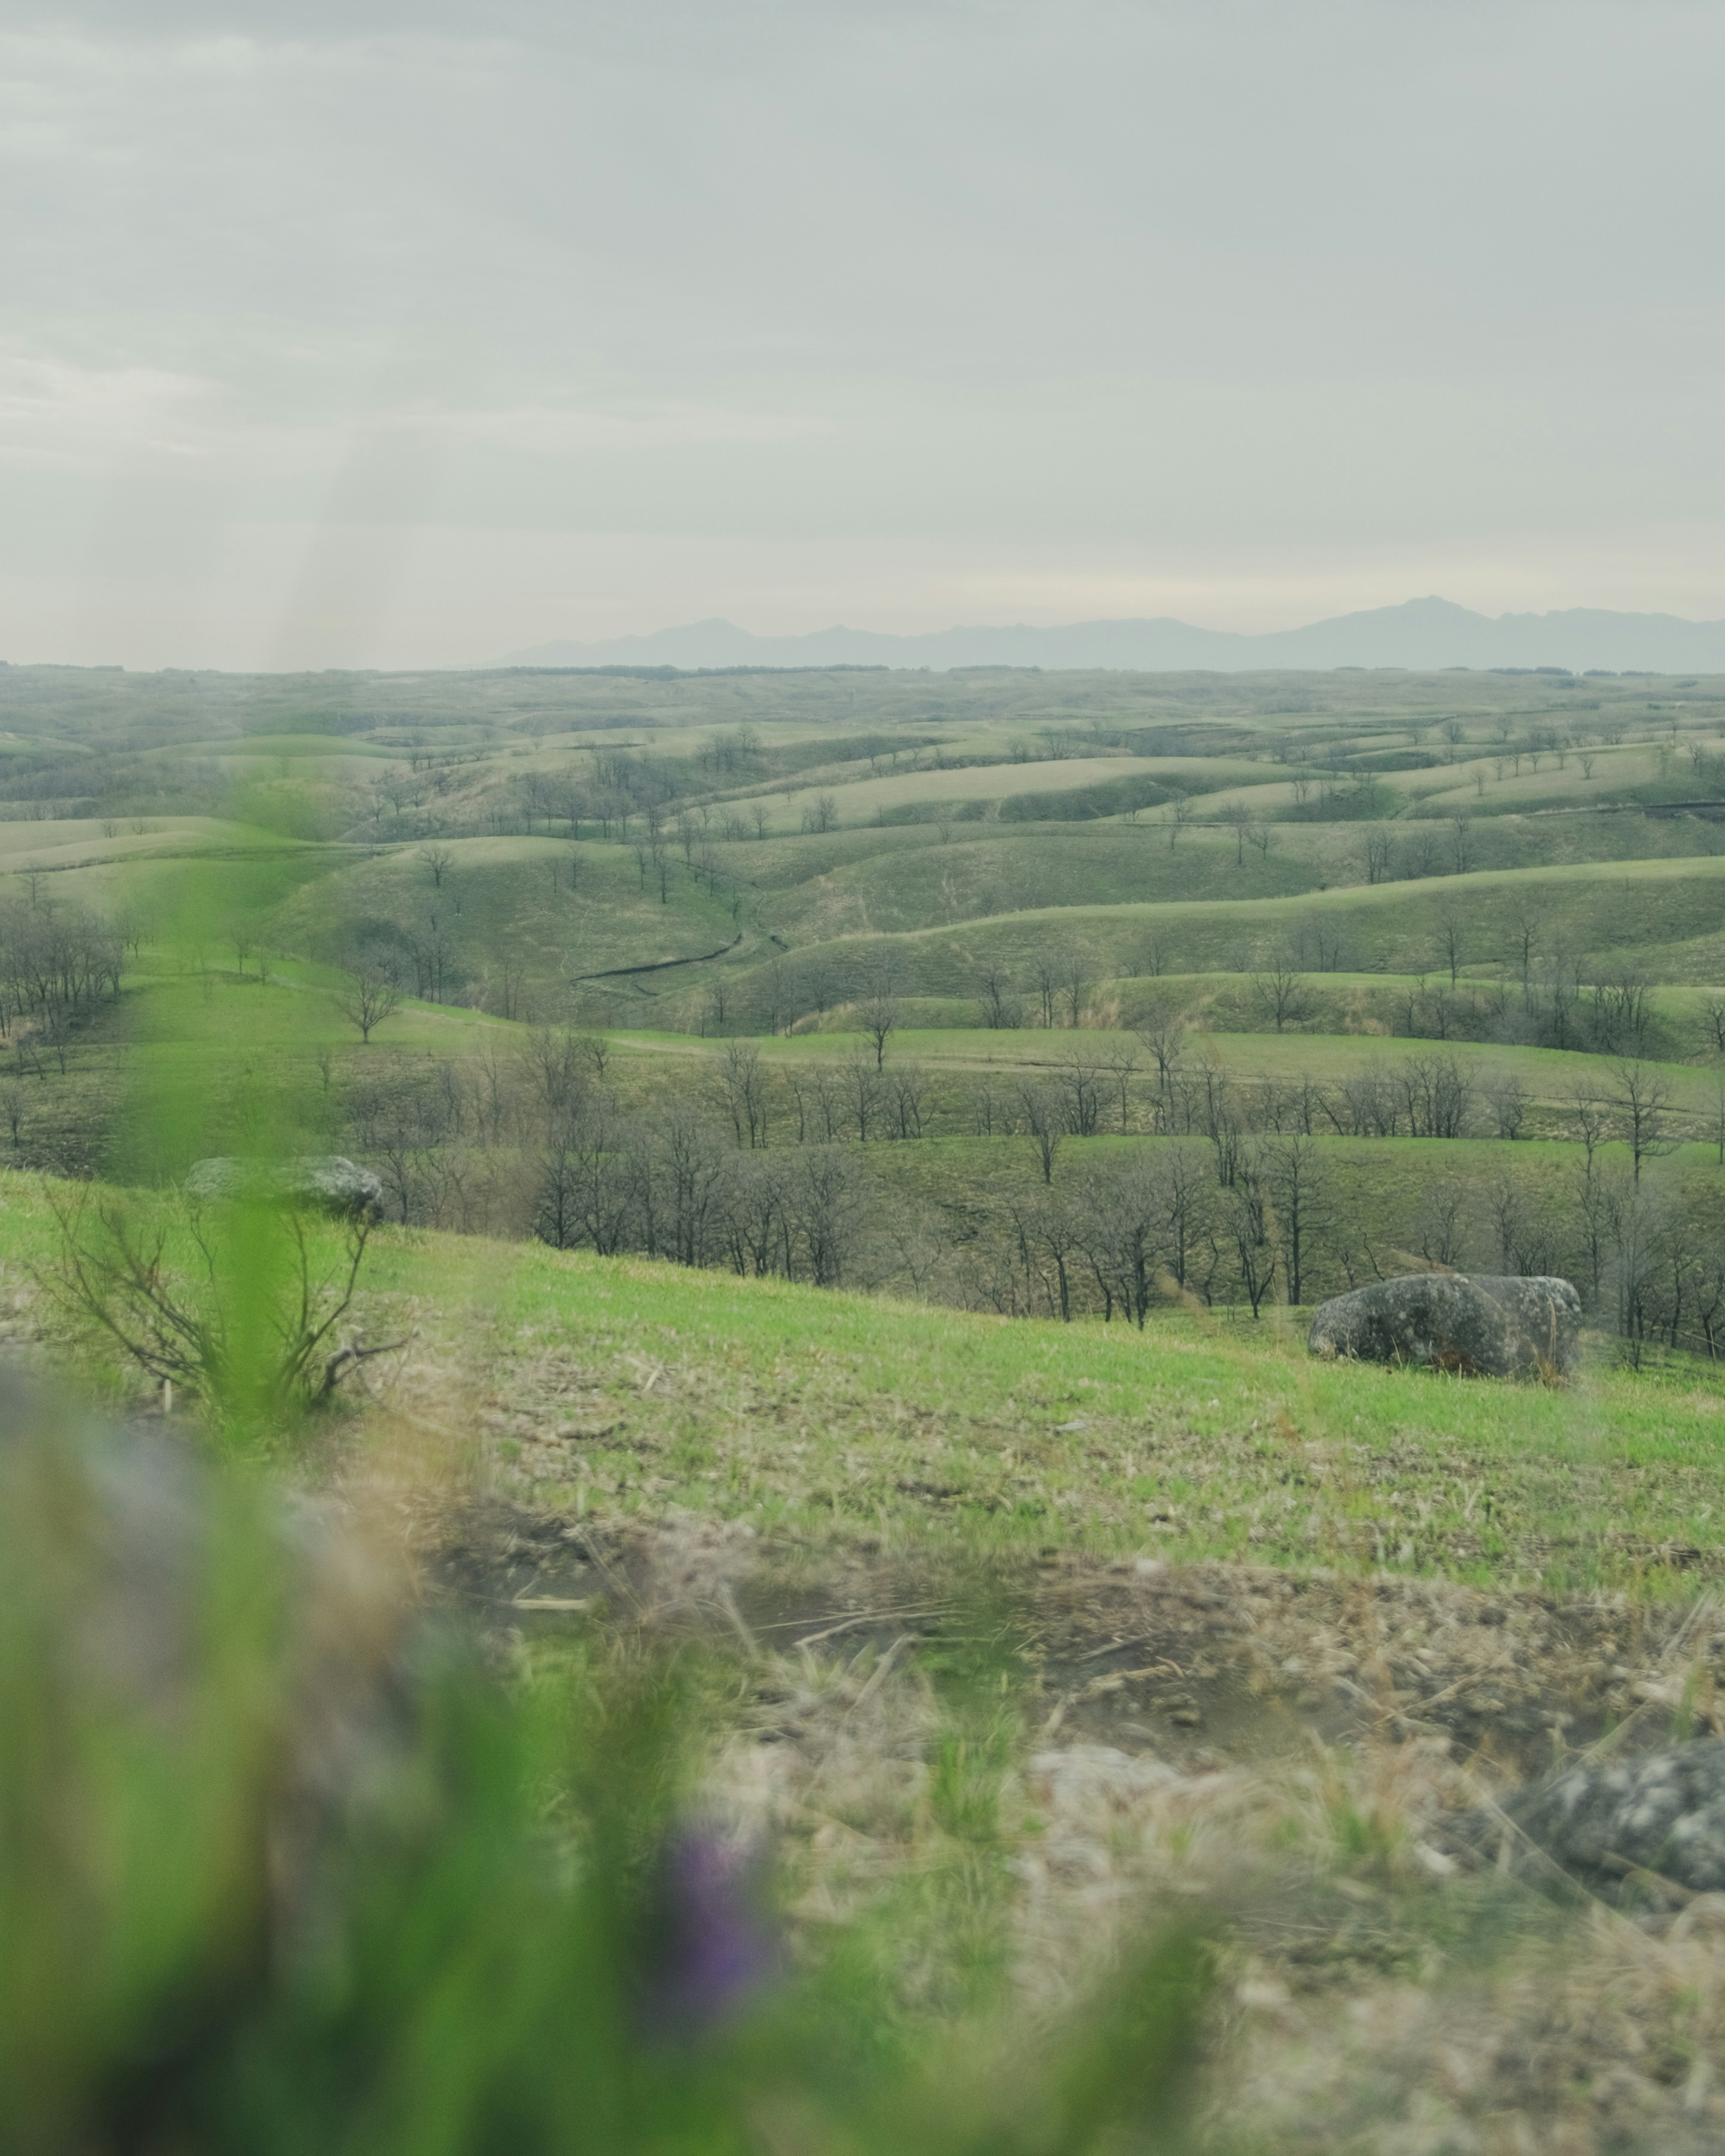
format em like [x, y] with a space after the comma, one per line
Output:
[1451, 940]
[1078, 1082]
[1072, 986]
[242, 940]
[860, 1079]
[877, 1016]
[439, 860]
[1282, 993]
[254, 1354]
[1441, 1224]
[369, 995]
[1001, 1009]
[1043, 1121]
[1642, 1096]
[1524, 918]
[1121, 1061]
[1506, 1097]
[1591, 1122]
[1237, 818]
[1294, 1174]
[742, 1090]
[1247, 1213]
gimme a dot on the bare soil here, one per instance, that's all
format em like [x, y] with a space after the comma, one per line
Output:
[1288, 1753]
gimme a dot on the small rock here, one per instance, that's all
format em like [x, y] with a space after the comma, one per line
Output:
[1084, 1773]
[328, 1182]
[1478, 1325]
[1663, 1813]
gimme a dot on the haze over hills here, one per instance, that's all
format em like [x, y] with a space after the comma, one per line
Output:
[1422, 635]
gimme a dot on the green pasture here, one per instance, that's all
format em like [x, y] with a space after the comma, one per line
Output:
[1550, 1075]
[1668, 916]
[511, 903]
[616, 1388]
[973, 876]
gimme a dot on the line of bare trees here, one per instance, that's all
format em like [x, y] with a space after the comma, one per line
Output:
[757, 1170]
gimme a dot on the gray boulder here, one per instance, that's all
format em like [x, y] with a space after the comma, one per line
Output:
[1479, 1325]
[1620, 1830]
[324, 1182]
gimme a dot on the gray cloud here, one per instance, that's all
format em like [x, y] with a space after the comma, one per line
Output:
[530, 322]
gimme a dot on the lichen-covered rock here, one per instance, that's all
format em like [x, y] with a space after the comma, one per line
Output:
[1618, 1830]
[328, 1182]
[1478, 1325]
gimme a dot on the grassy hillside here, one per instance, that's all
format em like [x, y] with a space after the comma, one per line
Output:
[928, 946]
[620, 1387]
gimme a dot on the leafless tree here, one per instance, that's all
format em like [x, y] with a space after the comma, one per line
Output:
[907, 1096]
[439, 860]
[242, 940]
[1523, 921]
[1282, 993]
[1506, 1097]
[114, 1270]
[1620, 1010]
[877, 1016]
[1295, 1175]
[1642, 1096]
[1237, 818]
[1452, 938]
[1247, 1222]
[1041, 1114]
[1078, 1086]
[742, 1090]
[1592, 1122]
[1442, 1221]
[1051, 1240]
[1072, 986]
[1163, 1034]
[369, 994]
[861, 1080]
[1121, 1061]
[1001, 1009]
[1437, 1095]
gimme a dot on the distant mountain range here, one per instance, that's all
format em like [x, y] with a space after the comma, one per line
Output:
[1423, 635]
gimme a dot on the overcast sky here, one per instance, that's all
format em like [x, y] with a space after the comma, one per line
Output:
[340, 331]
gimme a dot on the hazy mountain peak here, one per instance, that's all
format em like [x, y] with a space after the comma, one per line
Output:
[1423, 635]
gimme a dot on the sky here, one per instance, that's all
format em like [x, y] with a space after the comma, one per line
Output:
[364, 334]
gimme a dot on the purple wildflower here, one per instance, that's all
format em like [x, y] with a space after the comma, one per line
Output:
[713, 1945]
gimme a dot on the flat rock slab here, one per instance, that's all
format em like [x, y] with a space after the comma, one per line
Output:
[325, 1182]
[1478, 1325]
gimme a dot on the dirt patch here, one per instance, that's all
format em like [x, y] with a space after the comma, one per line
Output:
[1284, 1752]
[1211, 1663]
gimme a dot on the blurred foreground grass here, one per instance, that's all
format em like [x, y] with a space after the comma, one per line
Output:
[282, 1871]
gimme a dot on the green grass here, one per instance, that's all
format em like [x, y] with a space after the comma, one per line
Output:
[1665, 914]
[624, 1388]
